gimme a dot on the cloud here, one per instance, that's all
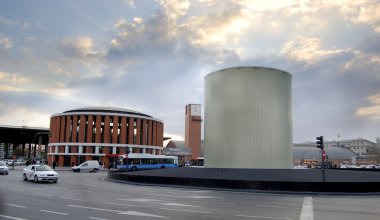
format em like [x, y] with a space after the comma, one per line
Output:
[367, 12]
[306, 49]
[78, 46]
[5, 42]
[373, 111]
[175, 8]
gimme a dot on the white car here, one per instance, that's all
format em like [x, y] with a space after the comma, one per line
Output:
[88, 166]
[3, 168]
[40, 172]
[303, 166]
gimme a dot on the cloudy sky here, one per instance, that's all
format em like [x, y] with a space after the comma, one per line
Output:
[152, 56]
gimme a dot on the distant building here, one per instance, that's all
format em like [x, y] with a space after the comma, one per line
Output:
[178, 148]
[101, 133]
[193, 120]
[308, 153]
[361, 147]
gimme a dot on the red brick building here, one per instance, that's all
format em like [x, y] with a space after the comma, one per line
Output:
[193, 120]
[102, 134]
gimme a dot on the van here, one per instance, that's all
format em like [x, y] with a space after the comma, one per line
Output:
[88, 166]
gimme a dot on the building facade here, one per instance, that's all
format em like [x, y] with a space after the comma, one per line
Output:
[193, 120]
[102, 134]
[248, 118]
[361, 147]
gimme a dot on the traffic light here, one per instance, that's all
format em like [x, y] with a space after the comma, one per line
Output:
[320, 142]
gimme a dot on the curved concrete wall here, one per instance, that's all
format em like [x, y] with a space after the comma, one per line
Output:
[248, 118]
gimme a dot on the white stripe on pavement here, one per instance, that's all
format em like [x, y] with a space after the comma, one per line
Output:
[59, 213]
[307, 209]
[182, 210]
[18, 206]
[11, 217]
[262, 217]
[141, 214]
[97, 218]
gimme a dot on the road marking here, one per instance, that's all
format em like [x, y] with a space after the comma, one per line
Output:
[97, 218]
[110, 203]
[18, 190]
[18, 206]
[59, 213]
[141, 214]
[119, 211]
[141, 200]
[215, 203]
[93, 208]
[73, 199]
[11, 217]
[182, 210]
[307, 209]
[178, 204]
[273, 206]
[39, 194]
[183, 196]
[263, 217]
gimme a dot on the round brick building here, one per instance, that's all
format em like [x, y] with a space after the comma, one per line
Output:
[99, 133]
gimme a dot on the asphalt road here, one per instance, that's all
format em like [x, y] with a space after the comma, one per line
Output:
[90, 196]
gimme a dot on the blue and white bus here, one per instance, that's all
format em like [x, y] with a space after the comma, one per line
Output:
[147, 162]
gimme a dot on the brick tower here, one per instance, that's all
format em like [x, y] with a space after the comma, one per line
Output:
[193, 121]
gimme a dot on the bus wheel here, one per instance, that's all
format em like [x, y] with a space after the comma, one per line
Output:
[162, 167]
[134, 168]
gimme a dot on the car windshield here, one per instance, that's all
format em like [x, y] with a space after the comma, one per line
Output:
[43, 168]
[2, 163]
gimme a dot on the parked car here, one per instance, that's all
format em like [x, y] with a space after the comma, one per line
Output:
[377, 166]
[302, 166]
[37, 173]
[370, 166]
[20, 162]
[88, 166]
[3, 168]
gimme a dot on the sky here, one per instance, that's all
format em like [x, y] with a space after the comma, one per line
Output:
[152, 56]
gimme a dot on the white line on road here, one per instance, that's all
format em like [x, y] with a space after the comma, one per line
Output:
[40, 194]
[82, 200]
[119, 212]
[18, 190]
[184, 196]
[263, 217]
[93, 208]
[59, 213]
[214, 203]
[141, 214]
[18, 206]
[273, 206]
[120, 204]
[11, 217]
[97, 218]
[182, 210]
[307, 209]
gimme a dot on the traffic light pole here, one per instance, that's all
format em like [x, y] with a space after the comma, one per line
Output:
[323, 167]
[323, 155]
